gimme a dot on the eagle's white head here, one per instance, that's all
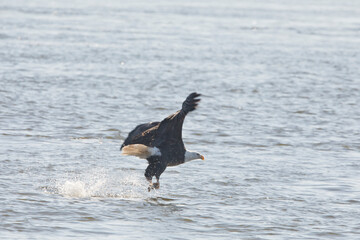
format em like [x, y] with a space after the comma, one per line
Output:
[189, 156]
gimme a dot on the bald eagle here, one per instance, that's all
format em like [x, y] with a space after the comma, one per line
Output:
[161, 142]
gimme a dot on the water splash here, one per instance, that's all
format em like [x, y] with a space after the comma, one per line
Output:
[99, 183]
[75, 189]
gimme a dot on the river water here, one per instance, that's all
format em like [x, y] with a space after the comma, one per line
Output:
[278, 122]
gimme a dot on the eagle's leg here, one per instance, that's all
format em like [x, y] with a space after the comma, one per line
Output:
[157, 184]
[154, 169]
[151, 186]
[154, 185]
[149, 179]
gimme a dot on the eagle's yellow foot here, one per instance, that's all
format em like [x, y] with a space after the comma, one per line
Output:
[154, 186]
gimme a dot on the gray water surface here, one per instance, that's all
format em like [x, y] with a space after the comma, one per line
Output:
[278, 122]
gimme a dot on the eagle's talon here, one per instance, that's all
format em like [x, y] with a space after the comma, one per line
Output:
[156, 185]
[153, 186]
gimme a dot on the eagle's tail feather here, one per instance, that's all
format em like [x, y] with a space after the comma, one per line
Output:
[140, 150]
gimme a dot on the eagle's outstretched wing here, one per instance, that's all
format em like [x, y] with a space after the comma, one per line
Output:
[167, 132]
[170, 129]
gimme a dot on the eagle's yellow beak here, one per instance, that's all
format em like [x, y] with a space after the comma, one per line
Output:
[202, 157]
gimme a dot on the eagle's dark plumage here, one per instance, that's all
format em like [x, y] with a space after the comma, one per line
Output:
[161, 142]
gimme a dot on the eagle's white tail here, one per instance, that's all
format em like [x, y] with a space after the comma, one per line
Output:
[140, 150]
